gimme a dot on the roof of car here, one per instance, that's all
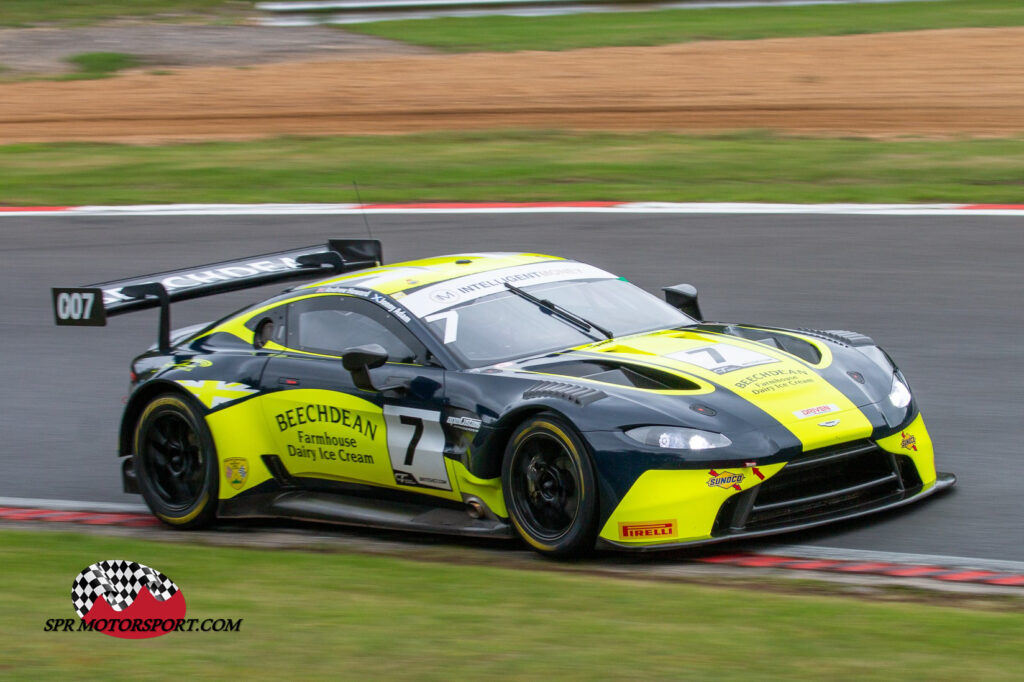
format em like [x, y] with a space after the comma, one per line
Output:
[400, 278]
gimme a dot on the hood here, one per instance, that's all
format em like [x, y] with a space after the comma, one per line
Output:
[800, 381]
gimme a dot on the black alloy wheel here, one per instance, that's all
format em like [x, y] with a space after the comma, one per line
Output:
[175, 462]
[549, 487]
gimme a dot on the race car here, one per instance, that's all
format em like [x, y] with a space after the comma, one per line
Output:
[502, 395]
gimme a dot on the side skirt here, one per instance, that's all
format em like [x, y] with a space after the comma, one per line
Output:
[304, 505]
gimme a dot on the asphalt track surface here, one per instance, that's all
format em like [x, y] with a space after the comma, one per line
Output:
[942, 294]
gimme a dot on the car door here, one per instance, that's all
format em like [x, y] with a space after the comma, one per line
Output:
[326, 428]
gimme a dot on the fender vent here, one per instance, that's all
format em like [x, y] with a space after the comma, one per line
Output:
[841, 336]
[581, 395]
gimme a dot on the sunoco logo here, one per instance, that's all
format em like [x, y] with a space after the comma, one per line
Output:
[724, 479]
[127, 599]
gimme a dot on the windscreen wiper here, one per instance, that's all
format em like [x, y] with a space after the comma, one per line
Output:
[559, 312]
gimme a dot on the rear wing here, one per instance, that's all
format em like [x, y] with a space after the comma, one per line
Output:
[91, 305]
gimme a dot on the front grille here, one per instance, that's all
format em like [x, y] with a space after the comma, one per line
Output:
[820, 484]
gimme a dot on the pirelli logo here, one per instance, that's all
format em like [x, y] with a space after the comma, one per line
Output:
[648, 530]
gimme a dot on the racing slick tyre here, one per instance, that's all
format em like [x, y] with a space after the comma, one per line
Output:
[175, 462]
[549, 487]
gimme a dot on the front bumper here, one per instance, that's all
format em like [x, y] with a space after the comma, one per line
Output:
[943, 481]
[666, 508]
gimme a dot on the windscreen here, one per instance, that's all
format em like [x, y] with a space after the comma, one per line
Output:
[502, 326]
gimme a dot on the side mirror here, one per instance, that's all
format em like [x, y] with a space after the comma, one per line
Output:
[360, 360]
[684, 298]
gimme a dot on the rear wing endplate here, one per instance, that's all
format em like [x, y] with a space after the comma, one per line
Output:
[91, 305]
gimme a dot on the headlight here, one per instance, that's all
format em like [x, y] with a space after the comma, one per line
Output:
[899, 394]
[678, 438]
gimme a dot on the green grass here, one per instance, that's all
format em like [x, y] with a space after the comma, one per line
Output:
[518, 166]
[679, 26]
[99, 65]
[361, 617]
[80, 12]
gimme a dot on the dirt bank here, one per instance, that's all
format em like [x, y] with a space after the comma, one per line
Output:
[931, 83]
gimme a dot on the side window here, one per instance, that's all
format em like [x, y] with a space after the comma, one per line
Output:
[330, 324]
[269, 328]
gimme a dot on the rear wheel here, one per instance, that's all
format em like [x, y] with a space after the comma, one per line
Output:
[176, 463]
[549, 487]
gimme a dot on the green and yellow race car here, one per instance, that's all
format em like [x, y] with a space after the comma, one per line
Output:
[502, 395]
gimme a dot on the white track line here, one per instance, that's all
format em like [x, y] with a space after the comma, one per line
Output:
[867, 555]
[74, 505]
[798, 551]
[961, 210]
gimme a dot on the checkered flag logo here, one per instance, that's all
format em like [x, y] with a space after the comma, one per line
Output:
[119, 582]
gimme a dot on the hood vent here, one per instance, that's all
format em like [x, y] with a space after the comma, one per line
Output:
[804, 350]
[621, 374]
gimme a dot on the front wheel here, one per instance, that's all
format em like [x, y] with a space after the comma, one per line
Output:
[176, 463]
[549, 486]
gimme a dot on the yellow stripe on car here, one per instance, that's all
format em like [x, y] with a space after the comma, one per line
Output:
[787, 388]
[400, 277]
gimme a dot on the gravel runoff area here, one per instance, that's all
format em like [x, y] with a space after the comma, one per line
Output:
[924, 83]
[43, 51]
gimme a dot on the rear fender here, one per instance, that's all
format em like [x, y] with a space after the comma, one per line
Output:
[137, 402]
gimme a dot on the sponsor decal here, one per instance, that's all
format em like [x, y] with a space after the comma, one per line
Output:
[187, 279]
[830, 423]
[648, 530]
[346, 448]
[215, 393]
[465, 423]
[386, 303]
[342, 290]
[437, 297]
[129, 600]
[236, 470]
[908, 442]
[445, 296]
[815, 411]
[325, 414]
[725, 479]
[402, 478]
[315, 436]
[771, 380]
